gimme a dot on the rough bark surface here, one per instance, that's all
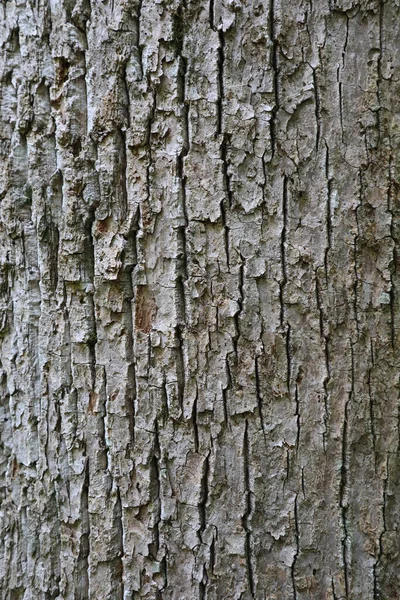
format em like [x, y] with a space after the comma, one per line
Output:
[199, 326]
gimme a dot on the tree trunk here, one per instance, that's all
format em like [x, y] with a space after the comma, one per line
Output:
[199, 290]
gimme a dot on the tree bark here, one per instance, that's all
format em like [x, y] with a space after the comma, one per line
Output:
[199, 294]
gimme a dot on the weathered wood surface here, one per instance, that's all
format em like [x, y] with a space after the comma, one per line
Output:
[199, 227]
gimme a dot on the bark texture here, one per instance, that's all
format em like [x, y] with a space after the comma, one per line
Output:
[199, 293]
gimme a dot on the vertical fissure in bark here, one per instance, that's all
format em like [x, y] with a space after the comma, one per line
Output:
[393, 269]
[283, 280]
[118, 566]
[248, 511]
[340, 86]
[180, 366]
[328, 211]
[131, 384]
[296, 554]
[275, 74]
[325, 339]
[371, 404]
[195, 424]
[240, 301]
[82, 572]
[139, 45]
[379, 78]
[181, 233]
[204, 489]
[122, 184]
[220, 80]
[228, 202]
[297, 415]
[103, 418]
[343, 502]
[259, 396]
[378, 561]
[225, 392]
[211, 14]
[155, 481]
[226, 232]
[344, 477]
[317, 104]
[357, 282]
[288, 358]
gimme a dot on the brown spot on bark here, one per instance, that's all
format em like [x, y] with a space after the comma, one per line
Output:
[147, 216]
[114, 395]
[104, 225]
[145, 309]
[92, 401]
[15, 467]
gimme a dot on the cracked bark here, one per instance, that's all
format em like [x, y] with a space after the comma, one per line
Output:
[199, 326]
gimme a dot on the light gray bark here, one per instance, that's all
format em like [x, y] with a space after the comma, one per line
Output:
[199, 227]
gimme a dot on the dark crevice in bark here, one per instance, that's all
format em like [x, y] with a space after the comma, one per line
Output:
[295, 557]
[152, 111]
[240, 300]
[328, 211]
[226, 231]
[155, 491]
[139, 45]
[92, 341]
[212, 555]
[344, 480]
[211, 14]
[275, 69]
[127, 102]
[355, 259]
[283, 250]
[371, 405]
[297, 415]
[164, 402]
[224, 145]
[82, 571]
[225, 391]
[287, 465]
[333, 590]
[195, 424]
[340, 103]
[225, 169]
[288, 357]
[248, 511]
[317, 103]
[204, 488]
[225, 396]
[379, 70]
[118, 567]
[103, 421]
[381, 553]
[344, 508]
[393, 270]
[121, 169]
[164, 571]
[346, 40]
[220, 67]
[325, 339]
[259, 396]
[182, 242]
[181, 233]
[130, 261]
[180, 366]
[202, 590]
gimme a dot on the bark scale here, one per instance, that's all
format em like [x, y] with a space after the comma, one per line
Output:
[199, 227]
